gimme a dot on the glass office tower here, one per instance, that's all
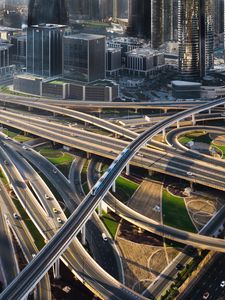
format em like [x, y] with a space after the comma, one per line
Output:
[195, 37]
[44, 49]
[47, 11]
[84, 57]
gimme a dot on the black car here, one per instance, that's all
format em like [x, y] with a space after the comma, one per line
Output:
[179, 267]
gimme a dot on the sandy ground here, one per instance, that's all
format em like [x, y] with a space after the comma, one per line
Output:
[201, 208]
[143, 255]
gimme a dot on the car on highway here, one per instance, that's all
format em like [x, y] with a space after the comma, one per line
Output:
[33, 255]
[5, 162]
[179, 266]
[47, 196]
[54, 171]
[222, 284]
[54, 210]
[189, 173]
[16, 216]
[59, 220]
[205, 295]
[104, 237]
[24, 147]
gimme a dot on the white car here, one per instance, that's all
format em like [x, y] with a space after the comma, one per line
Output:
[104, 237]
[205, 296]
[47, 196]
[189, 173]
[16, 216]
[54, 171]
[59, 220]
[222, 284]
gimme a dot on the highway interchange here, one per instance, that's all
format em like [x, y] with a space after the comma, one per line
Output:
[63, 236]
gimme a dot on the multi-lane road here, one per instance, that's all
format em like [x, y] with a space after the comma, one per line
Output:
[32, 273]
[65, 235]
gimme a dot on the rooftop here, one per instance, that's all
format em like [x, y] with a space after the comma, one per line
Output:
[85, 36]
[49, 26]
[185, 83]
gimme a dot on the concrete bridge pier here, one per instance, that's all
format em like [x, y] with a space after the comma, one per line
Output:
[56, 269]
[83, 235]
[114, 187]
[128, 169]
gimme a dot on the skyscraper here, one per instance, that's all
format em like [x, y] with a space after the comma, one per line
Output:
[146, 20]
[44, 49]
[219, 16]
[195, 36]
[156, 23]
[170, 22]
[47, 11]
[139, 19]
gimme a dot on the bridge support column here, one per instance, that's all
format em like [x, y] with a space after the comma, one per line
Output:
[165, 110]
[83, 235]
[192, 186]
[193, 120]
[30, 108]
[54, 114]
[136, 110]
[100, 209]
[114, 187]
[56, 269]
[88, 155]
[151, 172]
[178, 124]
[210, 111]
[128, 169]
[163, 134]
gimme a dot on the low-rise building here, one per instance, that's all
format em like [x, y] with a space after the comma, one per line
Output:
[186, 89]
[113, 61]
[144, 61]
[105, 90]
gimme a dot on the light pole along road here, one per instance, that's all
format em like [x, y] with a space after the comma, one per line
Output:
[38, 267]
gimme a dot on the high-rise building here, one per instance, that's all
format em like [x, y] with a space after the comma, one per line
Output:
[84, 57]
[51, 12]
[156, 23]
[219, 16]
[146, 20]
[195, 36]
[120, 8]
[170, 20]
[45, 49]
[139, 18]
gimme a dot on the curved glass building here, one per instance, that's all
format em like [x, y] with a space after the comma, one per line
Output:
[195, 37]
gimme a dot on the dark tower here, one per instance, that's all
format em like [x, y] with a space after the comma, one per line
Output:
[139, 19]
[47, 11]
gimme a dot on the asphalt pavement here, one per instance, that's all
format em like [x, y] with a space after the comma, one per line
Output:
[209, 282]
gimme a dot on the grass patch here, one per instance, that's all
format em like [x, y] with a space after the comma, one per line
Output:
[125, 188]
[17, 137]
[59, 158]
[38, 238]
[3, 179]
[175, 213]
[220, 148]
[7, 90]
[110, 223]
[197, 136]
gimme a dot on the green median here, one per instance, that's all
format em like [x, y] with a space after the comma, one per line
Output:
[175, 213]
